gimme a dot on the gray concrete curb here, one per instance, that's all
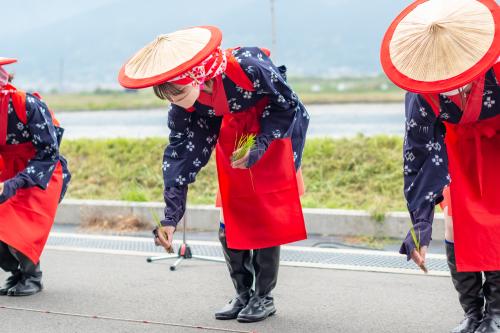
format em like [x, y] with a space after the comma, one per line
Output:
[336, 222]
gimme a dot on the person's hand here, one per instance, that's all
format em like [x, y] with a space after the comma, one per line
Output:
[242, 162]
[1, 188]
[165, 238]
[416, 243]
[419, 258]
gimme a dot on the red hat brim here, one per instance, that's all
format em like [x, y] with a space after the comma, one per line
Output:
[213, 43]
[404, 82]
[7, 61]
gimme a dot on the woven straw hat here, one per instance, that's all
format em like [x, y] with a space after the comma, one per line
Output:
[168, 56]
[440, 45]
[6, 61]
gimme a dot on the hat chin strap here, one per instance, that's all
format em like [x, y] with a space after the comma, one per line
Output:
[4, 77]
[465, 89]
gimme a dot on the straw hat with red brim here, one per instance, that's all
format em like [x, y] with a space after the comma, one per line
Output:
[440, 45]
[7, 61]
[169, 56]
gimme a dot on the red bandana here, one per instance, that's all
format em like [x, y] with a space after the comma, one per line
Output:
[215, 64]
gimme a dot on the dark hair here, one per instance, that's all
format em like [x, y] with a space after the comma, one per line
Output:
[11, 78]
[167, 90]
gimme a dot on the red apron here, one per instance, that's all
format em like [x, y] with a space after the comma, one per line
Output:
[28, 216]
[474, 158]
[261, 205]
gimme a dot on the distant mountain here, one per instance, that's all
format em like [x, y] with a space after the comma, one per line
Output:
[83, 45]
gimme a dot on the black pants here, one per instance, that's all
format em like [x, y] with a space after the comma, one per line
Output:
[8, 258]
[12, 260]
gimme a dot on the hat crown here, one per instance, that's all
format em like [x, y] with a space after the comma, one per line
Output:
[441, 39]
[160, 38]
[167, 51]
[169, 56]
[436, 27]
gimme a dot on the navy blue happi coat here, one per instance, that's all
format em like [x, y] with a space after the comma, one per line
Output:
[194, 134]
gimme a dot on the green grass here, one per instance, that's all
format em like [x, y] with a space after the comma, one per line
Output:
[311, 91]
[347, 90]
[357, 173]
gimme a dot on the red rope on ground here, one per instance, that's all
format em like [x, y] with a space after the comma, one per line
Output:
[79, 315]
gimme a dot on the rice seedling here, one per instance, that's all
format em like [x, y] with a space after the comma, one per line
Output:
[243, 146]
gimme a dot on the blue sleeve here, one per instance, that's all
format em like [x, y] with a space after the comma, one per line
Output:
[175, 204]
[425, 157]
[425, 169]
[270, 81]
[43, 134]
[285, 115]
[192, 139]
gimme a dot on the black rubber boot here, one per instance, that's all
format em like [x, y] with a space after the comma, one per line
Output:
[470, 294]
[491, 288]
[11, 281]
[30, 282]
[9, 264]
[261, 305]
[239, 263]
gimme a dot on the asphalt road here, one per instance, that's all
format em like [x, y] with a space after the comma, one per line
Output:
[308, 300]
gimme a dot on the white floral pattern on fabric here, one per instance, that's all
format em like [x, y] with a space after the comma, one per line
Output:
[437, 160]
[284, 116]
[407, 170]
[426, 163]
[425, 153]
[40, 131]
[191, 146]
[431, 197]
[180, 180]
[489, 102]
